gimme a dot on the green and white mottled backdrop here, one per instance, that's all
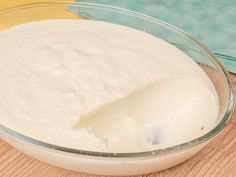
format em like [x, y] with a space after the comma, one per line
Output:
[213, 22]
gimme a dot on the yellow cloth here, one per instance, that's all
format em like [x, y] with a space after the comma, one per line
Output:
[32, 13]
[11, 3]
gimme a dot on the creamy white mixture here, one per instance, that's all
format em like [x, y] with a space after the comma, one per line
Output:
[99, 86]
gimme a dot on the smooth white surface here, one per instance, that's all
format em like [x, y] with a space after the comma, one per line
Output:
[96, 86]
[101, 165]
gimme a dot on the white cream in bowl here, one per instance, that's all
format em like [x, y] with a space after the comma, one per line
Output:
[98, 86]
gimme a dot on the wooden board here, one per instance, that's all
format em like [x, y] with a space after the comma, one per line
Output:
[218, 158]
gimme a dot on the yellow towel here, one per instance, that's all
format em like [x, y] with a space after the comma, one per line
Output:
[32, 14]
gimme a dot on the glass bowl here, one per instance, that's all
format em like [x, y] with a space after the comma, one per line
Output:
[120, 163]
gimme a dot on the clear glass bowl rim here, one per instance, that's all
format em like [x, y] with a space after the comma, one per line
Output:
[179, 147]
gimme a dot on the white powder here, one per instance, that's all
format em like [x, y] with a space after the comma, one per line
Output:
[96, 86]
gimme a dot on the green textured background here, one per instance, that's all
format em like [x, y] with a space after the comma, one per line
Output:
[212, 22]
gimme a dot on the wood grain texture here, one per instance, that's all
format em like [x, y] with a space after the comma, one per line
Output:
[217, 159]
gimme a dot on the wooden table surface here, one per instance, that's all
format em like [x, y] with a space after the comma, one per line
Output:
[217, 159]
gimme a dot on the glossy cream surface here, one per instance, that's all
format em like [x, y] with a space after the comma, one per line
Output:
[102, 87]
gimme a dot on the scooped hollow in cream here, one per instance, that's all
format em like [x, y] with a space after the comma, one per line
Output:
[103, 87]
[168, 112]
